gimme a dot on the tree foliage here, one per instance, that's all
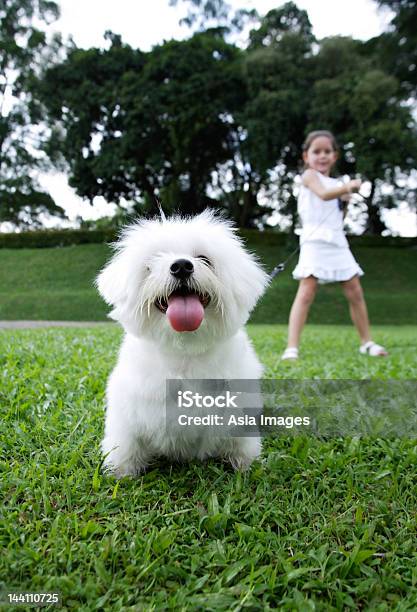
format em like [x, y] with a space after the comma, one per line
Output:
[204, 122]
[396, 49]
[23, 47]
[277, 73]
[145, 125]
[364, 107]
[206, 14]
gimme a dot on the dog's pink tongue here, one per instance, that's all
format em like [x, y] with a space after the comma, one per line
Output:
[185, 312]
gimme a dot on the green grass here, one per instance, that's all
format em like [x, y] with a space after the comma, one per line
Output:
[57, 283]
[52, 283]
[316, 525]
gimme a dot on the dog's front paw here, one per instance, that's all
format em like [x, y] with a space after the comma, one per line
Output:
[122, 461]
[245, 451]
[127, 468]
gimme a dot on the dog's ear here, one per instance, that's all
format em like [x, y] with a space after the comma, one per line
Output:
[113, 281]
[250, 278]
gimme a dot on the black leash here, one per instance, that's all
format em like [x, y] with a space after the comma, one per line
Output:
[281, 266]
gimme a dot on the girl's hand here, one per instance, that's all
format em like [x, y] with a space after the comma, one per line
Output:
[345, 198]
[354, 185]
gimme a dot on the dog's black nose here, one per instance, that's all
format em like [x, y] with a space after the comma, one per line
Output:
[182, 268]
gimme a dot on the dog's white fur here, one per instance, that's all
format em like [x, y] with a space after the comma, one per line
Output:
[153, 352]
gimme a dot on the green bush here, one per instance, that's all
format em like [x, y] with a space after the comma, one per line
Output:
[55, 238]
[67, 237]
[381, 241]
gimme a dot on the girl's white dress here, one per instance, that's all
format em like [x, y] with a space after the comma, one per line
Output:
[324, 251]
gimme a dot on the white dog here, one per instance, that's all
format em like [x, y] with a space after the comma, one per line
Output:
[183, 290]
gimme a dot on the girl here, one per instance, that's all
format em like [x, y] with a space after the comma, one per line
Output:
[325, 256]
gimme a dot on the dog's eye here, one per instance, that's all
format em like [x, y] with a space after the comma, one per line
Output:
[205, 260]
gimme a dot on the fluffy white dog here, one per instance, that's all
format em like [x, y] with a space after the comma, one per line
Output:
[182, 289]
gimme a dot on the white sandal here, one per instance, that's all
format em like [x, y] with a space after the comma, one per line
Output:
[372, 349]
[290, 353]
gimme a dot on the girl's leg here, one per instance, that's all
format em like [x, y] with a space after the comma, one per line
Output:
[357, 306]
[299, 310]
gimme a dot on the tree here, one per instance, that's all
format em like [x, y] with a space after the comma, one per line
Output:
[267, 127]
[207, 14]
[396, 49]
[202, 122]
[277, 75]
[364, 107]
[146, 125]
[23, 47]
[82, 101]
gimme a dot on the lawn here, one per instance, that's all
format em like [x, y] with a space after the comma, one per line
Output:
[57, 283]
[315, 525]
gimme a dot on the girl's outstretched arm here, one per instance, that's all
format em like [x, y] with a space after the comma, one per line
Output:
[312, 182]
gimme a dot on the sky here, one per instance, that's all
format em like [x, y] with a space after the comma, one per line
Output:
[144, 23]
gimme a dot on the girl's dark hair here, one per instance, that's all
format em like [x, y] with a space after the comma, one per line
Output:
[316, 134]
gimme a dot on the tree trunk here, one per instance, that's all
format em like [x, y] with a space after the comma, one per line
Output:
[292, 205]
[191, 202]
[244, 211]
[375, 225]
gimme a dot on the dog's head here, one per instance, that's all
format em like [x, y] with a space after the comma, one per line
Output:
[182, 281]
